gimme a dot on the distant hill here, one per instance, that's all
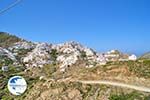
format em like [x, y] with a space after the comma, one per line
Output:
[146, 56]
[7, 40]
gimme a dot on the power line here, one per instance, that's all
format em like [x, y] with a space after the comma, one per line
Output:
[10, 6]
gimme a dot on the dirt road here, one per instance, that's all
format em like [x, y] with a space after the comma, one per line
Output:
[135, 87]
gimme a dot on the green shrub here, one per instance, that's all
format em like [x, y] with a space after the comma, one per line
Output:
[129, 96]
[49, 69]
[83, 55]
[53, 54]
[141, 69]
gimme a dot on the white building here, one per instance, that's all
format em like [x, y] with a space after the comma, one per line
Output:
[132, 57]
[5, 68]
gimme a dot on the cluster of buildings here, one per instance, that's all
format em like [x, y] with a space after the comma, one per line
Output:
[39, 56]
[68, 54]
[7, 53]
[115, 55]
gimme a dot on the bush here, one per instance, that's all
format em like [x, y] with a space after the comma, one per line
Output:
[141, 69]
[49, 69]
[4, 60]
[83, 55]
[53, 54]
[130, 96]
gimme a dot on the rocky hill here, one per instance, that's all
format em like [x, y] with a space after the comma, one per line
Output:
[146, 56]
[65, 55]
[52, 71]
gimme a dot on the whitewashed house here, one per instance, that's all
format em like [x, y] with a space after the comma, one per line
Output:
[5, 68]
[132, 57]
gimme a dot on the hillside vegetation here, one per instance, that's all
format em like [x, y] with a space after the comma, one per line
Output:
[7, 40]
[54, 86]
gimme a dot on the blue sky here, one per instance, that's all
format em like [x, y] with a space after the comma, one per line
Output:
[99, 24]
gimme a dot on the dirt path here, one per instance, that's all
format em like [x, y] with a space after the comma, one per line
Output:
[135, 87]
